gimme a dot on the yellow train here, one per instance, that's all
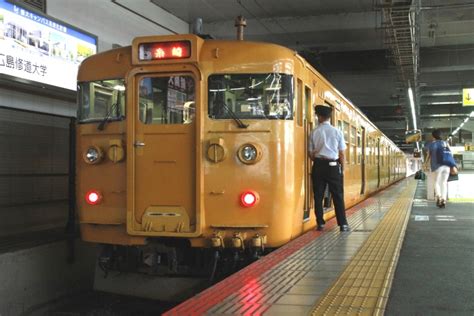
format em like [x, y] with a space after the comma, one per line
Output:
[187, 147]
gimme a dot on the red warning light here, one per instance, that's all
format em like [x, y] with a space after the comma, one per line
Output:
[165, 50]
[93, 197]
[249, 198]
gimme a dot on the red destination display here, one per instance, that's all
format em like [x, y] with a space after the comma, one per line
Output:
[164, 50]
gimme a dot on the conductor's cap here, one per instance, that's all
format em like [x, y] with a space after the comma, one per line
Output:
[323, 110]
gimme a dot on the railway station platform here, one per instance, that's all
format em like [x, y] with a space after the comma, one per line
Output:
[402, 256]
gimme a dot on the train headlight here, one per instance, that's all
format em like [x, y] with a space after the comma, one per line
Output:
[249, 153]
[93, 155]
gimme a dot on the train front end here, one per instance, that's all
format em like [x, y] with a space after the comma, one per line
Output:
[188, 150]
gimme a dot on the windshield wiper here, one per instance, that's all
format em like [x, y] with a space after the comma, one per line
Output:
[108, 115]
[240, 124]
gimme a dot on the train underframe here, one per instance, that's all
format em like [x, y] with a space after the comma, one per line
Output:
[175, 257]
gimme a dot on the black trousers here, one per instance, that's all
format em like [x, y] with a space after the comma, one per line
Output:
[322, 174]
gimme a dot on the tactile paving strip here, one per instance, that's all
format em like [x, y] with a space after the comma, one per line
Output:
[254, 289]
[363, 287]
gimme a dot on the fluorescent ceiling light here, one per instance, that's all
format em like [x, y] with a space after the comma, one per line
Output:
[412, 106]
[472, 114]
[444, 102]
[440, 94]
[119, 88]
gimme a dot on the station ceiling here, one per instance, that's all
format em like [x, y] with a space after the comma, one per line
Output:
[371, 50]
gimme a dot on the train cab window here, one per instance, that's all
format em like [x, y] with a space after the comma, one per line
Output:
[101, 99]
[166, 100]
[251, 96]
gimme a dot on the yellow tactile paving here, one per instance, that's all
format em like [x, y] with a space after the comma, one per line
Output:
[363, 287]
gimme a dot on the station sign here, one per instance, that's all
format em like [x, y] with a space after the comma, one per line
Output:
[468, 97]
[40, 49]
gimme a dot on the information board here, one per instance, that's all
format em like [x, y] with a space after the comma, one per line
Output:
[40, 49]
[468, 97]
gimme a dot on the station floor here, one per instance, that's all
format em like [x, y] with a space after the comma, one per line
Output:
[402, 256]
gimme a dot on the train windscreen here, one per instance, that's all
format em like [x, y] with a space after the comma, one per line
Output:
[101, 100]
[251, 96]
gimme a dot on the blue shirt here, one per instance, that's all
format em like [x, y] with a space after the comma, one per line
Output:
[433, 149]
[326, 141]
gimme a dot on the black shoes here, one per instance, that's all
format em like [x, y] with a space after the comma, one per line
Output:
[344, 228]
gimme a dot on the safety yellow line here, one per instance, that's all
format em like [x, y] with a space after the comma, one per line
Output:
[363, 287]
[461, 200]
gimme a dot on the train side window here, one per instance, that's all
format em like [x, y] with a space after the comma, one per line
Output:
[374, 144]
[353, 146]
[307, 104]
[370, 151]
[359, 147]
[166, 100]
[367, 151]
[382, 158]
[347, 140]
[299, 105]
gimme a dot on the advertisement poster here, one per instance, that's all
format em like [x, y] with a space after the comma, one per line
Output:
[36, 48]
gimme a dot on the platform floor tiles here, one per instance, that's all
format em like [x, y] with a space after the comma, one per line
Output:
[435, 273]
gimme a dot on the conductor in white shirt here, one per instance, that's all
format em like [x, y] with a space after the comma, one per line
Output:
[326, 149]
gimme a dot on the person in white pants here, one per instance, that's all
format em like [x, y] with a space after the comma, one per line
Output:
[441, 171]
[441, 185]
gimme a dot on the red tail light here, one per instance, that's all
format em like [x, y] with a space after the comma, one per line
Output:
[93, 197]
[249, 198]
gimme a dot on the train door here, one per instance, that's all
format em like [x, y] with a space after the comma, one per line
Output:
[163, 141]
[361, 143]
[307, 123]
[378, 162]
